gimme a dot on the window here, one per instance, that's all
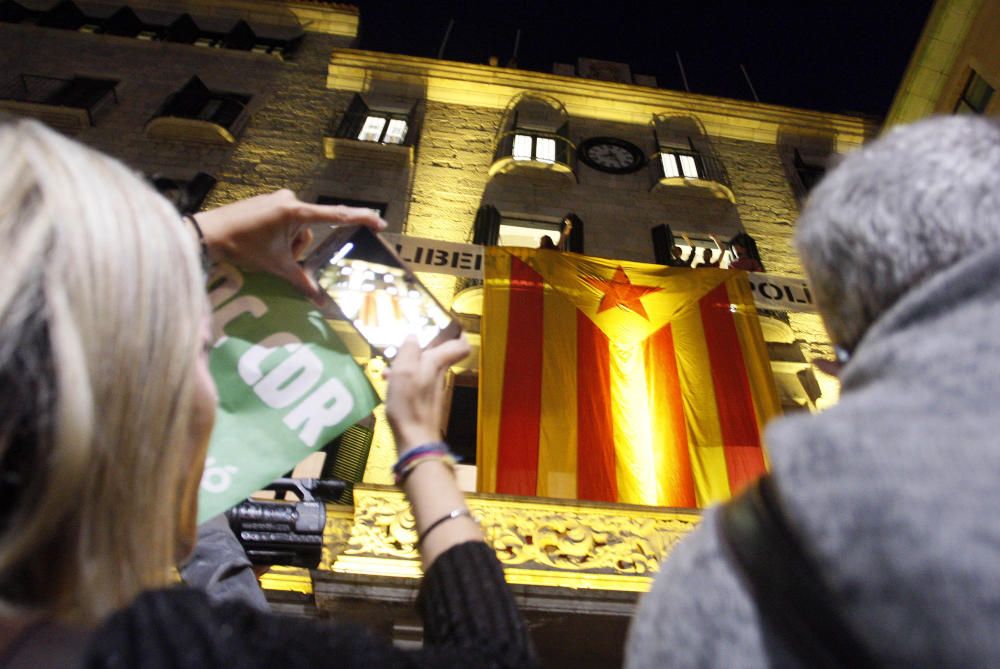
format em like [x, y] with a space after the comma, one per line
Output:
[691, 249]
[522, 147]
[491, 228]
[975, 96]
[86, 93]
[528, 232]
[124, 22]
[531, 147]
[65, 16]
[383, 130]
[463, 418]
[537, 147]
[197, 101]
[545, 149]
[396, 132]
[678, 164]
[809, 173]
[534, 132]
[380, 126]
[372, 129]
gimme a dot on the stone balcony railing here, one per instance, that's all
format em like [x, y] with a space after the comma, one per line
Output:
[542, 543]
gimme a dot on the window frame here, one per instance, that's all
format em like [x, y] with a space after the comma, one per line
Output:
[965, 105]
[125, 23]
[679, 164]
[194, 94]
[359, 113]
[541, 225]
[388, 118]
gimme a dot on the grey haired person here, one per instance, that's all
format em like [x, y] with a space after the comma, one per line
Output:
[893, 491]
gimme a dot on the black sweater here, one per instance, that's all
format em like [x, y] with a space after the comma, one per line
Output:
[470, 620]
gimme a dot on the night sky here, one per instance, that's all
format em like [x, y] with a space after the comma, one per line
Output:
[846, 56]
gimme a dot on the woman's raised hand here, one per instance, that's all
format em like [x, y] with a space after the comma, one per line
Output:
[270, 232]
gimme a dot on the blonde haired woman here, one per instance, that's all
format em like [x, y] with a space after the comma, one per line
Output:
[106, 406]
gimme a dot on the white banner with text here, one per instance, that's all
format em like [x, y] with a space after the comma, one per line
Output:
[770, 291]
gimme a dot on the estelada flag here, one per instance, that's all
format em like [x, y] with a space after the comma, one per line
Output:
[619, 381]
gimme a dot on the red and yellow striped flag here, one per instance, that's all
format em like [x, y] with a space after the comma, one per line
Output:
[618, 381]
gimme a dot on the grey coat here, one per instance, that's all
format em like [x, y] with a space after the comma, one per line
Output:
[896, 490]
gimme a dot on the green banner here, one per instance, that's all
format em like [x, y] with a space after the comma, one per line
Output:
[286, 383]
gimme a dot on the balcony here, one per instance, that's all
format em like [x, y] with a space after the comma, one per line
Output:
[375, 135]
[197, 114]
[66, 104]
[577, 569]
[692, 170]
[524, 150]
[606, 554]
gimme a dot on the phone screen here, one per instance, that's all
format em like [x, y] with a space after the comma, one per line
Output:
[373, 289]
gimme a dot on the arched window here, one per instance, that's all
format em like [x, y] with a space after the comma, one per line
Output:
[534, 133]
[685, 156]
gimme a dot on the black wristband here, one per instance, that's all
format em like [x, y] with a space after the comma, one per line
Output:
[205, 260]
[456, 513]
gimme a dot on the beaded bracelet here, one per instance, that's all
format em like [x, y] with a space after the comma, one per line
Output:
[452, 515]
[437, 447]
[411, 464]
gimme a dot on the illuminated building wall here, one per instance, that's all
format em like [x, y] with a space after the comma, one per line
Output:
[955, 66]
[300, 130]
[462, 108]
[287, 136]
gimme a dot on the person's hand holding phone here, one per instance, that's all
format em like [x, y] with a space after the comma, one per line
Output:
[414, 406]
[269, 233]
[415, 399]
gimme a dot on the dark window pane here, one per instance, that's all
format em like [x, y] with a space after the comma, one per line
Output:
[123, 23]
[241, 37]
[183, 30]
[462, 422]
[976, 96]
[65, 15]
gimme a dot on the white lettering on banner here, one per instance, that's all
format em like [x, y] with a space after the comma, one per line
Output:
[780, 292]
[249, 363]
[223, 316]
[217, 477]
[431, 255]
[291, 379]
[224, 283]
[328, 405]
[770, 291]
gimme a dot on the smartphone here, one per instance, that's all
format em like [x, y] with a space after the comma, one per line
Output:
[368, 285]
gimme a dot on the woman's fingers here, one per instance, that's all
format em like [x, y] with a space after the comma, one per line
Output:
[407, 359]
[337, 213]
[447, 353]
[301, 240]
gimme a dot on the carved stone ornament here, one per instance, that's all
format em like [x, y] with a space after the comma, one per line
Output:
[542, 542]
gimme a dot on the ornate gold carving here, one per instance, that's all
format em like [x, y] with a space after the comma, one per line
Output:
[582, 540]
[541, 542]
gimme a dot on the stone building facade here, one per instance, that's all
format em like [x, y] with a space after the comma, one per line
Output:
[955, 67]
[262, 94]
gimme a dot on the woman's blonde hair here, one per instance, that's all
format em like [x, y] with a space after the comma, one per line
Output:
[101, 301]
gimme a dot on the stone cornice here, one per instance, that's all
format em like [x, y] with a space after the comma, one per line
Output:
[493, 87]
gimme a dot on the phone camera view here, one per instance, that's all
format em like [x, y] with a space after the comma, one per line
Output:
[385, 303]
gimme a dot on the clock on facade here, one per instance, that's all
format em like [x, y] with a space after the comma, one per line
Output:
[610, 154]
